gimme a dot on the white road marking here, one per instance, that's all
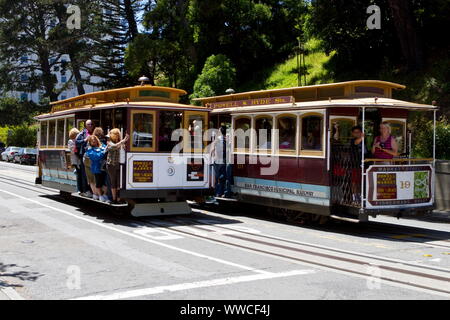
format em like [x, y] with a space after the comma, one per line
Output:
[156, 234]
[194, 285]
[133, 235]
[11, 293]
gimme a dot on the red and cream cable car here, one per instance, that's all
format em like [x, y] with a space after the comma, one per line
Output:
[292, 150]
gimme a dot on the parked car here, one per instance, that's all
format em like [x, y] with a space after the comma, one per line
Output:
[26, 155]
[2, 147]
[8, 154]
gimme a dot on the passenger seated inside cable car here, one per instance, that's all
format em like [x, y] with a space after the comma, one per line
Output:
[312, 133]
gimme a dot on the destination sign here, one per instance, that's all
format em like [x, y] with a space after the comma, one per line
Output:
[142, 171]
[399, 186]
[251, 102]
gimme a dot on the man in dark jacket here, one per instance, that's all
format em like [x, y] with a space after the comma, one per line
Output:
[81, 143]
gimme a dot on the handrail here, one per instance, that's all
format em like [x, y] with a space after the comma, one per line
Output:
[399, 160]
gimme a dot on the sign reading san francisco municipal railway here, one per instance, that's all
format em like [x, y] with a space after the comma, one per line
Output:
[399, 186]
[251, 102]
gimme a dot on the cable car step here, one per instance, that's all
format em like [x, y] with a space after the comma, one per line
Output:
[354, 220]
[226, 199]
[160, 209]
[117, 205]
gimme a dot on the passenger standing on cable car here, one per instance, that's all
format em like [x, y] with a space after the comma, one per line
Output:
[81, 143]
[96, 154]
[356, 153]
[106, 188]
[385, 146]
[74, 159]
[114, 146]
[223, 167]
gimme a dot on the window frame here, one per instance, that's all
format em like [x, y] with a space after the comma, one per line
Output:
[160, 126]
[185, 123]
[154, 137]
[404, 122]
[251, 139]
[312, 153]
[256, 133]
[335, 117]
[293, 152]
[64, 142]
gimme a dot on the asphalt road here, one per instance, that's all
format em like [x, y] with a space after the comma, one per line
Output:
[51, 248]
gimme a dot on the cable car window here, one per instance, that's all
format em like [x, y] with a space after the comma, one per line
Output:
[287, 128]
[242, 134]
[264, 126]
[51, 133]
[398, 130]
[143, 130]
[341, 129]
[312, 133]
[196, 124]
[60, 133]
[69, 125]
[168, 122]
[43, 138]
[118, 118]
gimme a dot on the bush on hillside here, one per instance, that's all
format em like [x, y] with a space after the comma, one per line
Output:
[217, 76]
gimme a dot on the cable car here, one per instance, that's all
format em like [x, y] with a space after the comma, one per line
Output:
[153, 180]
[292, 149]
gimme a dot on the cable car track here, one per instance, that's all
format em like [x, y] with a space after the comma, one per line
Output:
[273, 249]
[291, 249]
[373, 226]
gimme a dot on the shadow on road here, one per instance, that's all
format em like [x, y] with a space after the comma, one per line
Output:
[373, 230]
[6, 272]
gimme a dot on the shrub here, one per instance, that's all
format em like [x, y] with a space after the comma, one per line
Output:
[22, 136]
[423, 138]
[218, 75]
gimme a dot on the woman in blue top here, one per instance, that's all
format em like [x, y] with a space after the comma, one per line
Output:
[96, 153]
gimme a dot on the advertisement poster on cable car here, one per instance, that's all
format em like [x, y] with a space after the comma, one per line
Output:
[395, 186]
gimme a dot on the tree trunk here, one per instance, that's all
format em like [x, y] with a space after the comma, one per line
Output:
[47, 76]
[76, 73]
[131, 19]
[410, 43]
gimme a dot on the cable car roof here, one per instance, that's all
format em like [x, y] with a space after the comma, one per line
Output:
[143, 95]
[143, 104]
[344, 103]
[350, 93]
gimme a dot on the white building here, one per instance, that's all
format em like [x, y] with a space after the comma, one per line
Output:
[63, 76]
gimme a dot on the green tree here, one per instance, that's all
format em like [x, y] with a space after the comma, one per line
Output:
[14, 112]
[78, 44]
[24, 26]
[217, 76]
[22, 136]
[118, 27]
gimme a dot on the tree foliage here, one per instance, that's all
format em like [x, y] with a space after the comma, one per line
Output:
[15, 112]
[22, 136]
[217, 76]
[423, 138]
